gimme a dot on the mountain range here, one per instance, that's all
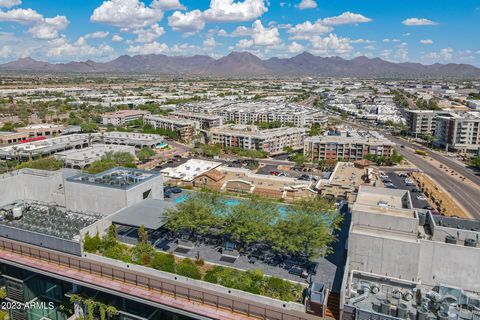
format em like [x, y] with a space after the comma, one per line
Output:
[244, 64]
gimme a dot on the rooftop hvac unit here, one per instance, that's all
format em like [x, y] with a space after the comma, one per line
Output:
[470, 242]
[451, 239]
[422, 313]
[17, 212]
[402, 311]
[385, 306]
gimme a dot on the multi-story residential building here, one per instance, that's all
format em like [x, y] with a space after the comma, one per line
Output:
[421, 122]
[185, 128]
[122, 117]
[458, 133]
[256, 112]
[348, 145]
[273, 141]
[406, 263]
[206, 121]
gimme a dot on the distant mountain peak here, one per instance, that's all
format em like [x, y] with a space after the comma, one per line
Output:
[245, 64]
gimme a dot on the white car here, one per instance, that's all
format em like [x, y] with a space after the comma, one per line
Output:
[421, 198]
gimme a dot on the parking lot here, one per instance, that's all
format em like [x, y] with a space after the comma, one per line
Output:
[400, 184]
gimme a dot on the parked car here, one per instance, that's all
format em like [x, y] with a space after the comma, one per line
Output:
[274, 173]
[417, 190]
[176, 190]
[402, 175]
[384, 176]
[298, 272]
[390, 186]
[428, 208]
[422, 198]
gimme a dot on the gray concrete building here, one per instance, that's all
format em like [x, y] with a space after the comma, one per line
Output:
[80, 159]
[403, 262]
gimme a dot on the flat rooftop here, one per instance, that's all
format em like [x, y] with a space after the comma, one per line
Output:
[383, 197]
[149, 213]
[190, 169]
[92, 153]
[121, 178]
[46, 219]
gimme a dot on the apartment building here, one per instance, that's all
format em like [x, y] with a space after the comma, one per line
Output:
[185, 128]
[206, 121]
[348, 145]
[246, 137]
[421, 122]
[122, 117]
[458, 132]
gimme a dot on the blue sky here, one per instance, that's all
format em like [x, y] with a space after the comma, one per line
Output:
[426, 31]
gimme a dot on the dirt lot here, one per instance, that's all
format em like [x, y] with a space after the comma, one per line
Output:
[441, 200]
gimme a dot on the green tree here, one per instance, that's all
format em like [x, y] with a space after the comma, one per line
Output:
[195, 215]
[251, 221]
[112, 160]
[142, 234]
[145, 154]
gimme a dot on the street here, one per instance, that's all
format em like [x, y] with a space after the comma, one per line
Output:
[465, 195]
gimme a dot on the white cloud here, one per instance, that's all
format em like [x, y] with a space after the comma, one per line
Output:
[370, 47]
[40, 27]
[148, 48]
[418, 22]
[129, 14]
[386, 40]
[6, 52]
[307, 4]
[362, 41]
[150, 34]
[209, 42]
[330, 45]
[262, 36]
[10, 3]
[426, 41]
[97, 35]
[49, 28]
[295, 47]
[346, 18]
[190, 22]
[444, 55]
[80, 49]
[117, 38]
[306, 30]
[241, 31]
[244, 44]
[167, 5]
[234, 11]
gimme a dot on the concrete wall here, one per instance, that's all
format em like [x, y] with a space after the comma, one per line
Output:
[449, 264]
[94, 198]
[385, 256]
[107, 200]
[135, 194]
[32, 185]
[387, 223]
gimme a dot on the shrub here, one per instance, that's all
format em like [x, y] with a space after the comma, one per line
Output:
[164, 262]
[142, 253]
[188, 269]
[91, 244]
[118, 252]
[282, 289]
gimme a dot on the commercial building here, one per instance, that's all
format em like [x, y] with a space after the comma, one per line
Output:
[206, 121]
[458, 132]
[80, 159]
[273, 141]
[405, 263]
[348, 145]
[122, 117]
[30, 133]
[184, 128]
[50, 146]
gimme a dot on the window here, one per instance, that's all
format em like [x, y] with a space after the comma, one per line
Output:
[147, 194]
